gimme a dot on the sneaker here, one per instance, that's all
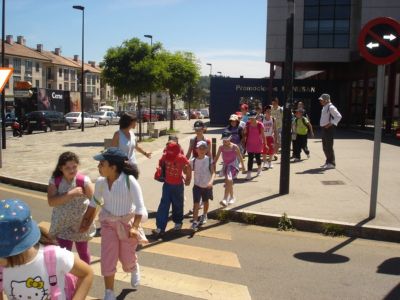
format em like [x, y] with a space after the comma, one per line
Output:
[324, 166]
[308, 155]
[195, 226]
[157, 231]
[135, 276]
[178, 226]
[248, 177]
[330, 166]
[231, 200]
[223, 202]
[270, 165]
[265, 165]
[109, 295]
[203, 219]
[296, 159]
[259, 170]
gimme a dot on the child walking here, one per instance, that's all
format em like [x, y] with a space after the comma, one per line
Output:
[175, 165]
[122, 209]
[254, 133]
[300, 127]
[200, 129]
[269, 132]
[68, 193]
[230, 154]
[24, 261]
[204, 174]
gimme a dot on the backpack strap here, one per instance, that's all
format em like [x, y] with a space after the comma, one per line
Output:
[1, 279]
[79, 179]
[50, 263]
[57, 181]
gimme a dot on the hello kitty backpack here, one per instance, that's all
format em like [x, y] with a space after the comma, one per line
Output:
[50, 262]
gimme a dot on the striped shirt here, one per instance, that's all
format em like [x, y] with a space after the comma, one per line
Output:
[120, 199]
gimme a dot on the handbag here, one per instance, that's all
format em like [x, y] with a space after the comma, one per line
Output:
[159, 175]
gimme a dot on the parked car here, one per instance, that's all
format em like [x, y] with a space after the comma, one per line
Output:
[146, 116]
[205, 112]
[10, 118]
[182, 115]
[45, 120]
[196, 114]
[75, 120]
[106, 117]
[162, 116]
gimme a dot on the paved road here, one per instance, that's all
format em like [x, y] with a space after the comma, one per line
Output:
[234, 261]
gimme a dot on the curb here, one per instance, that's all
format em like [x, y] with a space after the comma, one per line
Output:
[353, 230]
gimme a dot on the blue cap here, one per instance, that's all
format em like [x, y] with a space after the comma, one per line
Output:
[253, 114]
[17, 229]
[112, 154]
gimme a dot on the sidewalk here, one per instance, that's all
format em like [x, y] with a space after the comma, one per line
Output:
[316, 196]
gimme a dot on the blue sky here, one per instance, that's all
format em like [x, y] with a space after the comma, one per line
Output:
[230, 34]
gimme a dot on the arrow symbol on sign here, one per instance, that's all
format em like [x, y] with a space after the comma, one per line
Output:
[389, 37]
[372, 45]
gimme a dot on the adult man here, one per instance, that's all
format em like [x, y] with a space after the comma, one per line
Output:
[277, 114]
[330, 117]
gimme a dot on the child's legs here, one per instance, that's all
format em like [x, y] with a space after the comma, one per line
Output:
[296, 147]
[177, 199]
[305, 146]
[229, 187]
[196, 200]
[271, 147]
[206, 205]
[250, 161]
[83, 250]
[127, 254]
[226, 190]
[258, 158]
[109, 253]
[207, 195]
[67, 244]
[163, 207]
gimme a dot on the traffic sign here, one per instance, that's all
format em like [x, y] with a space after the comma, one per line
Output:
[5, 74]
[379, 41]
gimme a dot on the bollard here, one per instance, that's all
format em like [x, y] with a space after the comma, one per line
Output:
[213, 147]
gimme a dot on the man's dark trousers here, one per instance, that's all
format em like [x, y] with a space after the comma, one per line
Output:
[327, 144]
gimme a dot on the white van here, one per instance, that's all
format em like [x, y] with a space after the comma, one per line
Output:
[205, 112]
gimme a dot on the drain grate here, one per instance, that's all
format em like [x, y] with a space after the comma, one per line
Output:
[333, 182]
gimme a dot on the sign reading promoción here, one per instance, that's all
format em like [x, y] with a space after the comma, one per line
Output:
[379, 41]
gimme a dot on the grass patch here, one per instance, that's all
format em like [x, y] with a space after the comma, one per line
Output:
[285, 224]
[333, 229]
[148, 140]
[172, 131]
[223, 215]
[249, 218]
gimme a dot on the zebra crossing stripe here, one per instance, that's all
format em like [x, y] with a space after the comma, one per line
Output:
[183, 284]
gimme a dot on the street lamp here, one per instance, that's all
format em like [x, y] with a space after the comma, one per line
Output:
[82, 8]
[208, 64]
[151, 43]
[3, 98]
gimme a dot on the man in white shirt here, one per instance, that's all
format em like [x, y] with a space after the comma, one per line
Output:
[330, 117]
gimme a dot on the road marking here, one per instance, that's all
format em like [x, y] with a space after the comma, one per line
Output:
[183, 284]
[219, 232]
[23, 193]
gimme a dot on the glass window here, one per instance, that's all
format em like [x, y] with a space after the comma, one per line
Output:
[73, 87]
[341, 41]
[326, 26]
[342, 26]
[66, 74]
[60, 86]
[60, 72]
[37, 83]
[17, 65]
[342, 12]
[325, 41]
[66, 86]
[37, 67]
[310, 41]
[326, 12]
[310, 26]
[311, 12]
[15, 79]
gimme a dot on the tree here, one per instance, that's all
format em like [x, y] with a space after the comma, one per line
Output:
[180, 72]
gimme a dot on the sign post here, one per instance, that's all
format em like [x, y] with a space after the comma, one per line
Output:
[379, 44]
[5, 74]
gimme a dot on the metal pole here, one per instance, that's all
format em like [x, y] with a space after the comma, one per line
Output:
[380, 93]
[287, 103]
[82, 71]
[140, 119]
[3, 96]
[151, 43]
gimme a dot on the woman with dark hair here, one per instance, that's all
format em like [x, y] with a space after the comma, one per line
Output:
[125, 138]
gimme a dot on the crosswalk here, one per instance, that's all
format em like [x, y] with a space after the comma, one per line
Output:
[182, 283]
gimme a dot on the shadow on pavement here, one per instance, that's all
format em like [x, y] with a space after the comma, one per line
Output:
[329, 257]
[394, 294]
[89, 144]
[314, 171]
[124, 293]
[270, 197]
[390, 266]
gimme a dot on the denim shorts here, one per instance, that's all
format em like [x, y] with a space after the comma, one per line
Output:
[204, 194]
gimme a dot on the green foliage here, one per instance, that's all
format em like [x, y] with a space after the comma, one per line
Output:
[223, 215]
[249, 218]
[285, 224]
[333, 229]
[172, 131]
[148, 140]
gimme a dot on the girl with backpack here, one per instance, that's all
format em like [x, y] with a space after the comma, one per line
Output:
[68, 193]
[23, 255]
[200, 129]
[120, 196]
[255, 139]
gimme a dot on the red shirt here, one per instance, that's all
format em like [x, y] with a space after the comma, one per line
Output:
[174, 169]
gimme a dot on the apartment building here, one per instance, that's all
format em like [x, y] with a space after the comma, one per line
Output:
[326, 51]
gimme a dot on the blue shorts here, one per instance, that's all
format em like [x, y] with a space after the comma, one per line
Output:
[204, 194]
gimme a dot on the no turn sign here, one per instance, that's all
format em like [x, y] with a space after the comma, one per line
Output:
[379, 41]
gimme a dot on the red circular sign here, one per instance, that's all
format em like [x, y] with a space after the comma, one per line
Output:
[379, 41]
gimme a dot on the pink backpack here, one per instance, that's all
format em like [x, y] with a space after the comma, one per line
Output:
[50, 262]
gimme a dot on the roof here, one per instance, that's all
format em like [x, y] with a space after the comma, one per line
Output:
[87, 67]
[17, 49]
[59, 60]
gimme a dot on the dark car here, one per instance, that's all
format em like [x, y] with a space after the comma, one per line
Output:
[45, 120]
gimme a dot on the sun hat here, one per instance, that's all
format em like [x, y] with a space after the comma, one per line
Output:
[233, 117]
[112, 154]
[252, 114]
[17, 229]
[325, 97]
[226, 135]
[201, 144]
[199, 125]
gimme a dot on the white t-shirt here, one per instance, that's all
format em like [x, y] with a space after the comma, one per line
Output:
[202, 174]
[120, 200]
[31, 281]
[268, 127]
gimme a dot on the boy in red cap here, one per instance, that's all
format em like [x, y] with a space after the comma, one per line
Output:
[176, 165]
